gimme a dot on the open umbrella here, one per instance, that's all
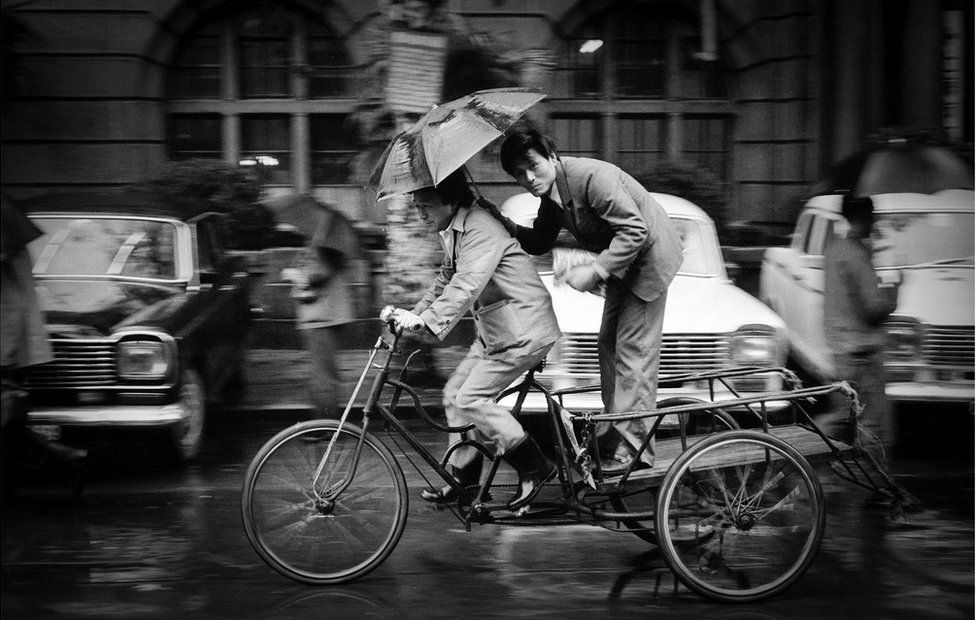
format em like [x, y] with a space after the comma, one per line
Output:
[447, 137]
[898, 166]
[323, 226]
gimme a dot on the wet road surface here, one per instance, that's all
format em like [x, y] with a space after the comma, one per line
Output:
[151, 540]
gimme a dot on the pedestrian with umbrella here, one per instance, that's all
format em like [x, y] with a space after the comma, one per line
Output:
[485, 271]
[857, 301]
[323, 275]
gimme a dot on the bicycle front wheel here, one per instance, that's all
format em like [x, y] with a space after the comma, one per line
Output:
[740, 516]
[301, 526]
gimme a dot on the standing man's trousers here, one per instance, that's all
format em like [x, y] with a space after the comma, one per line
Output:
[630, 356]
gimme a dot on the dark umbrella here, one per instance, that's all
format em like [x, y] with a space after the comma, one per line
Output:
[447, 137]
[898, 166]
[324, 226]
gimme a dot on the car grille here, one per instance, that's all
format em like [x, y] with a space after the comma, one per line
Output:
[77, 363]
[948, 346]
[680, 354]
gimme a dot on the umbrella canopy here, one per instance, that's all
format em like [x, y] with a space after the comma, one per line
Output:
[447, 137]
[323, 226]
[897, 167]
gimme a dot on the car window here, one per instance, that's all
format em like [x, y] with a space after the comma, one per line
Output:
[802, 229]
[104, 247]
[903, 239]
[205, 248]
[699, 246]
[819, 229]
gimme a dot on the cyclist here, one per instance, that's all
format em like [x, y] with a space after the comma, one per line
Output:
[484, 270]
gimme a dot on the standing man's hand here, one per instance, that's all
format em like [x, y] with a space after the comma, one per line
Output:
[584, 278]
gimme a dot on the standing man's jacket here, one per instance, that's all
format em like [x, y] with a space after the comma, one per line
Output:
[856, 303]
[609, 213]
[485, 270]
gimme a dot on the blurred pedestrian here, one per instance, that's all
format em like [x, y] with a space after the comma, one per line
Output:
[323, 277]
[485, 271]
[639, 252]
[24, 344]
[856, 303]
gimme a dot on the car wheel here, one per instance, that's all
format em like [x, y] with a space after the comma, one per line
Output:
[188, 434]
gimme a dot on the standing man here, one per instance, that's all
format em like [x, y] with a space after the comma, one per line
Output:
[639, 252]
[856, 303]
[484, 271]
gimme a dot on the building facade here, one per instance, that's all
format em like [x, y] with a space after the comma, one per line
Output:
[763, 94]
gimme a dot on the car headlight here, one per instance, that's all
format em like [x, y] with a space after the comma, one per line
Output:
[756, 345]
[903, 339]
[141, 359]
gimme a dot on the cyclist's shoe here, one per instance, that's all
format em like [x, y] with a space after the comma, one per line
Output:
[534, 470]
[468, 475]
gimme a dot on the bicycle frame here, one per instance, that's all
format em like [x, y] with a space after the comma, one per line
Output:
[295, 512]
[373, 406]
[480, 508]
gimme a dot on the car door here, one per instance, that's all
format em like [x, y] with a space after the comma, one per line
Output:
[807, 302]
[223, 312]
[780, 277]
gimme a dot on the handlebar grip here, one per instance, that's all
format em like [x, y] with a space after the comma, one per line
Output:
[386, 314]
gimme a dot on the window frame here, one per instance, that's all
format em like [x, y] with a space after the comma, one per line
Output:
[234, 106]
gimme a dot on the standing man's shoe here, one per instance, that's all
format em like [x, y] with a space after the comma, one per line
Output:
[620, 459]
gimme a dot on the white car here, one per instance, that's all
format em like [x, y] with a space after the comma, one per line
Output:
[709, 323]
[929, 237]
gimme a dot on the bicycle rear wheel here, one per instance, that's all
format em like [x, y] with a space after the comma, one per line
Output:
[740, 516]
[695, 425]
[299, 528]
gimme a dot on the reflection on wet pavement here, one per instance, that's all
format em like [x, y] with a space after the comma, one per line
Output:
[162, 541]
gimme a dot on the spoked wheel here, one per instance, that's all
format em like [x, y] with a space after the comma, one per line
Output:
[740, 516]
[695, 425]
[306, 529]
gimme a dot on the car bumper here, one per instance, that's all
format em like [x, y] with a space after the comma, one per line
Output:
[119, 415]
[927, 392]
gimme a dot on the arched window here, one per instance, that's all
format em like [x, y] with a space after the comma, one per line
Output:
[264, 80]
[634, 87]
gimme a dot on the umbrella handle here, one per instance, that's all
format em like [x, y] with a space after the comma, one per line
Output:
[477, 192]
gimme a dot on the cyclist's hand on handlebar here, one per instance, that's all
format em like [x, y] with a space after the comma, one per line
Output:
[403, 319]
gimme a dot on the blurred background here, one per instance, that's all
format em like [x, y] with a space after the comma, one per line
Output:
[740, 106]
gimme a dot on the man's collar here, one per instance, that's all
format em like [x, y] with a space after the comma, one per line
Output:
[457, 222]
[559, 192]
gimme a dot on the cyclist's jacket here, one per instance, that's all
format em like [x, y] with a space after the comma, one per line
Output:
[486, 271]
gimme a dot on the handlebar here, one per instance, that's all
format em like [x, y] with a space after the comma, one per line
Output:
[388, 316]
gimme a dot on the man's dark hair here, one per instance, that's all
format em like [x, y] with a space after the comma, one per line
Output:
[856, 207]
[454, 190]
[518, 143]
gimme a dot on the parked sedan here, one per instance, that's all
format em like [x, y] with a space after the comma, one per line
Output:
[146, 312]
[929, 237]
[709, 323]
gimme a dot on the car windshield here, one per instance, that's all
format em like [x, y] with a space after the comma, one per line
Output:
[701, 253]
[904, 239]
[95, 246]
